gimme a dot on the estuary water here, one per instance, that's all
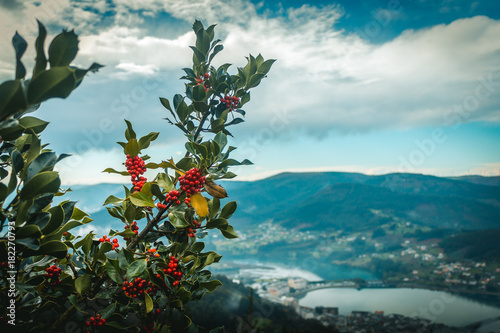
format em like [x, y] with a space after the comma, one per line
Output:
[438, 306]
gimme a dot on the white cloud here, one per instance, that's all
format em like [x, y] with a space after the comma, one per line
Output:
[130, 50]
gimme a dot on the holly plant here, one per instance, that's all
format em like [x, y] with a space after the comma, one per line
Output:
[138, 278]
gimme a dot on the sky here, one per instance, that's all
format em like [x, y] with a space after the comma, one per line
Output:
[358, 86]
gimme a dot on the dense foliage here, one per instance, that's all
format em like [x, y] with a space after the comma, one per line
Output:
[131, 279]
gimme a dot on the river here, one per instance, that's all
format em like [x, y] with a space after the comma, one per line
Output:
[438, 306]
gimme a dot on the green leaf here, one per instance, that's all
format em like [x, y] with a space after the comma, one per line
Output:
[17, 160]
[43, 162]
[199, 93]
[255, 80]
[53, 248]
[56, 219]
[113, 271]
[221, 140]
[183, 295]
[125, 258]
[41, 60]
[103, 249]
[129, 132]
[166, 103]
[228, 232]
[132, 148]
[198, 56]
[202, 42]
[108, 311]
[85, 243]
[213, 208]
[112, 200]
[55, 82]
[35, 148]
[36, 124]
[13, 99]
[149, 303]
[111, 170]
[146, 140]
[32, 231]
[136, 268]
[141, 200]
[156, 191]
[197, 247]
[20, 46]
[217, 223]
[177, 220]
[265, 66]
[44, 182]
[33, 244]
[165, 182]
[210, 285]
[228, 210]
[82, 284]
[182, 111]
[63, 49]
[216, 50]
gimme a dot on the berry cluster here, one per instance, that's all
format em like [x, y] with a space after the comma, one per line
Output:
[192, 182]
[230, 101]
[136, 167]
[203, 80]
[105, 238]
[192, 231]
[95, 321]
[138, 287]
[53, 273]
[173, 270]
[172, 197]
[133, 227]
[152, 252]
[149, 328]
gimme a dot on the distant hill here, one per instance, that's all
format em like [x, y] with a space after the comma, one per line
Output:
[476, 245]
[350, 201]
[357, 201]
[490, 181]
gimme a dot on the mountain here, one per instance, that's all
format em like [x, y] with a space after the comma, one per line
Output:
[351, 201]
[490, 181]
[358, 202]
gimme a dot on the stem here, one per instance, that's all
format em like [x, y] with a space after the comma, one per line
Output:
[198, 130]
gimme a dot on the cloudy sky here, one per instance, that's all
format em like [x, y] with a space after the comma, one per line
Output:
[365, 86]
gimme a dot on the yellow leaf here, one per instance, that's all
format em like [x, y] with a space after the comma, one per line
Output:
[199, 204]
[149, 303]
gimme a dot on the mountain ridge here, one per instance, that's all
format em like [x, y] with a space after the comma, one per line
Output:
[352, 201]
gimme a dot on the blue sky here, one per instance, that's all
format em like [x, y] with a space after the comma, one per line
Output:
[364, 86]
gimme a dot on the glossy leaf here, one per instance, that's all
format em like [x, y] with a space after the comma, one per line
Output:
[55, 82]
[41, 59]
[44, 182]
[136, 268]
[141, 200]
[20, 46]
[13, 99]
[43, 162]
[82, 284]
[132, 148]
[228, 210]
[63, 49]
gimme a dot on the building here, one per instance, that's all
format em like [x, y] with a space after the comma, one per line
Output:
[297, 283]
